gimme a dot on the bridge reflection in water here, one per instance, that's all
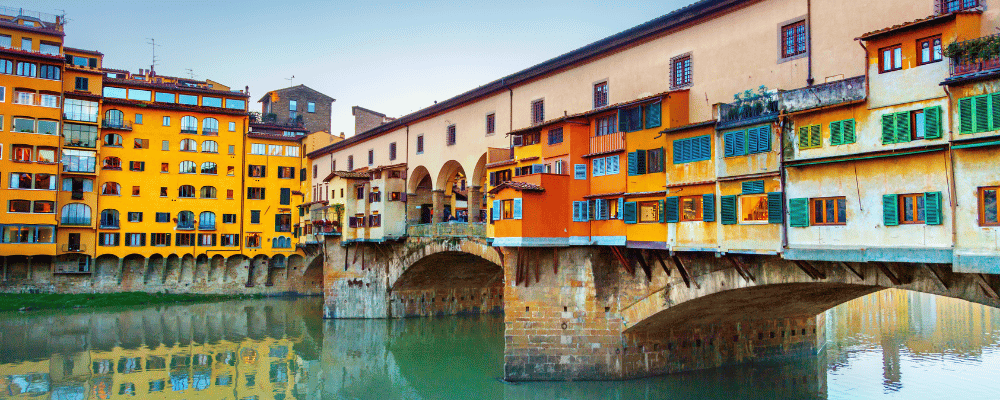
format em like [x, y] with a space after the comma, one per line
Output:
[888, 343]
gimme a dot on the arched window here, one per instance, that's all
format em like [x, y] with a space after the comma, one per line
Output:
[113, 163]
[210, 126]
[113, 140]
[189, 145]
[185, 220]
[186, 191]
[109, 219]
[206, 220]
[111, 189]
[208, 192]
[209, 168]
[114, 119]
[189, 124]
[209, 146]
[76, 214]
[281, 242]
[188, 167]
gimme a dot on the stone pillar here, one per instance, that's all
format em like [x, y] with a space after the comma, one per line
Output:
[412, 209]
[438, 201]
[475, 199]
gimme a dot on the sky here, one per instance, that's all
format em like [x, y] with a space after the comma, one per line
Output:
[388, 56]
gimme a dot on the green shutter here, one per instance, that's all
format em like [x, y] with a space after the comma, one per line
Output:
[848, 127]
[728, 210]
[662, 161]
[815, 137]
[982, 115]
[890, 210]
[653, 112]
[775, 208]
[630, 212]
[932, 208]
[932, 123]
[640, 162]
[632, 163]
[277, 222]
[803, 137]
[660, 210]
[671, 210]
[995, 111]
[836, 133]
[903, 127]
[889, 129]
[621, 122]
[753, 187]
[965, 115]
[798, 212]
[708, 207]
[286, 196]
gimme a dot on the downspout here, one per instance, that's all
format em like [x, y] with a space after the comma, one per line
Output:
[783, 178]
[243, 185]
[952, 189]
[809, 79]
[865, 48]
[510, 115]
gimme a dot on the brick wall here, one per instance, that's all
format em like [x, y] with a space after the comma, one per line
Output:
[314, 121]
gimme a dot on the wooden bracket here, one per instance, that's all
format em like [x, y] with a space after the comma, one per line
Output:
[742, 268]
[622, 260]
[937, 275]
[855, 271]
[810, 270]
[538, 268]
[981, 279]
[888, 272]
[663, 264]
[555, 260]
[642, 263]
[683, 270]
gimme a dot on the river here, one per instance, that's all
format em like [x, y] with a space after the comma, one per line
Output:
[892, 345]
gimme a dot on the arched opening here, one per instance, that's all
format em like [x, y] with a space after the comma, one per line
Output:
[419, 199]
[477, 191]
[133, 271]
[451, 194]
[154, 270]
[448, 283]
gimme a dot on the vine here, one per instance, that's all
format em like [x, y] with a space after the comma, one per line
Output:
[974, 50]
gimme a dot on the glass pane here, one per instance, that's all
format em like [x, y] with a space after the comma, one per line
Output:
[908, 209]
[187, 99]
[118, 93]
[920, 208]
[211, 102]
[990, 205]
[690, 209]
[841, 210]
[165, 97]
[830, 204]
[142, 95]
[818, 211]
[236, 104]
[918, 125]
[897, 57]
[887, 59]
[925, 51]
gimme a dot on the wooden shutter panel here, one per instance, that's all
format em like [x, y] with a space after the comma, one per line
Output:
[848, 128]
[728, 148]
[815, 136]
[982, 116]
[890, 210]
[965, 115]
[836, 133]
[932, 208]
[798, 212]
[576, 211]
[803, 137]
[659, 210]
[168, 239]
[580, 171]
[622, 126]
[708, 207]
[662, 159]
[632, 163]
[728, 210]
[517, 208]
[629, 212]
[704, 147]
[591, 209]
[640, 162]
[653, 112]
[994, 111]
[671, 210]
[775, 208]
[764, 138]
[888, 129]
[286, 196]
[740, 143]
[277, 222]
[932, 123]
[753, 187]
[903, 127]
[496, 210]
[621, 208]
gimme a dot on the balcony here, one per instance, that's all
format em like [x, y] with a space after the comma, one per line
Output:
[185, 225]
[73, 248]
[607, 143]
[117, 125]
[75, 221]
[827, 94]
[80, 116]
[499, 155]
[447, 229]
[749, 109]
[974, 56]
[36, 99]
[272, 120]
[282, 228]
[206, 226]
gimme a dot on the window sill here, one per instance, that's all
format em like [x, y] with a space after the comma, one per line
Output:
[793, 57]
[754, 223]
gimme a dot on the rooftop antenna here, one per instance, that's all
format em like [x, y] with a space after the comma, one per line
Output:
[152, 42]
[290, 80]
[191, 73]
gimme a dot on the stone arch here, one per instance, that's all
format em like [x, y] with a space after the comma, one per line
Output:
[173, 268]
[478, 177]
[416, 176]
[782, 288]
[258, 270]
[154, 270]
[106, 265]
[451, 186]
[277, 266]
[233, 270]
[187, 268]
[133, 272]
[201, 266]
[446, 177]
[216, 273]
[312, 276]
[419, 196]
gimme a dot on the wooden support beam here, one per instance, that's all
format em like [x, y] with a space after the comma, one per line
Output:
[855, 271]
[663, 264]
[538, 267]
[555, 260]
[517, 269]
[888, 272]
[981, 279]
[937, 276]
[642, 263]
[621, 259]
[742, 268]
[499, 253]
[810, 270]
[683, 270]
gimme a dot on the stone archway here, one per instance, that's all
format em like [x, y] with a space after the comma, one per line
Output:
[477, 187]
[446, 278]
[419, 201]
[450, 195]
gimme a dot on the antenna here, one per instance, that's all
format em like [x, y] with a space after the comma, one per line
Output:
[290, 80]
[191, 73]
[152, 42]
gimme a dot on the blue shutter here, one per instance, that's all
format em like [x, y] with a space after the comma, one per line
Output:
[580, 171]
[932, 120]
[622, 127]
[708, 207]
[888, 128]
[595, 169]
[640, 163]
[932, 208]
[798, 212]
[704, 147]
[671, 212]
[739, 143]
[982, 113]
[678, 158]
[775, 208]
[764, 138]
[728, 210]
[753, 141]
[632, 163]
[599, 210]
[517, 208]
[965, 113]
[612, 165]
[753, 187]
[653, 112]
[730, 150]
[621, 208]
[903, 127]
[630, 212]
[890, 210]
[496, 210]
[576, 211]
[537, 168]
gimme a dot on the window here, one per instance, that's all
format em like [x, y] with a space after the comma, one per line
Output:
[420, 145]
[163, 191]
[208, 192]
[185, 239]
[606, 125]
[111, 163]
[21, 153]
[27, 69]
[228, 218]
[948, 6]
[189, 124]
[5, 41]
[23, 125]
[753, 208]
[350, 164]
[528, 139]
[537, 112]
[211, 102]
[235, 104]
[274, 150]
[164, 168]
[75, 214]
[137, 166]
[842, 132]
[654, 160]
[604, 166]
[187, 167]
[254, 216]
[229, 194]
[140, 95]
[206, 220]
[48, 72]
[188, 145]
[286, 173]
[911, 208]
[697, 148]
[691, 208]
[555, 136]
[109, 219]
[79, 160]
[209, 168]
[491, 123]
[28, 233]
[206, 239]
[256, 171]
[210, 126]
[891, 59]
[232, 126]
[77, 135]
[451, 135]
[392, 151]
[810, 137]
[988, 206]
[140, 143]
[255, 193]
[22, 180]
[919, 124]
[185, 220]
[750, 141]
[371, 157]
[649, 211]
[159, 239]
[600, 95]
[829, 211]
[209, 146]
[680, 71]
[229, 240]
[360, 191]
[258, 149]
[135, 216]
[283, 222]
[166, 121]
[291, 151]
[108, 239]
[253, 240]
[929, 50]
[793, 39]
[19, 206]
[185, 191]
[162, 217]
[630, 119]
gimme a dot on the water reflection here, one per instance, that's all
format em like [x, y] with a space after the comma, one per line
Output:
[891, 344]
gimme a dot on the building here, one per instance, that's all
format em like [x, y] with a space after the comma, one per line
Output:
[365, 119]
[298, 105]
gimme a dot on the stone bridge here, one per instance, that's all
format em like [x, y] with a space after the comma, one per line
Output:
[616, 313]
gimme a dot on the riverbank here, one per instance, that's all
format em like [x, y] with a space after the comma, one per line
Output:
[58, 301]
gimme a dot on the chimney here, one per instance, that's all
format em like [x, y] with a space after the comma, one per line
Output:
[341, 135]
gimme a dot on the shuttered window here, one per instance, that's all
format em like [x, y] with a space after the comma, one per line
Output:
[652, 113]
[611, 165]
[914, 208]
[654, 160]
[517, 208]
[693, 149]
[810, 137]
[979, 113]
[842, 132]
[906, 126]
[599, 166]
[286, 196]
[579, 171]
[630, 212]
[637, 162]
[798, 212]
[753, 187]
[775, 208]
[708, 207]
[582, 211]
[728, 211]
[671, 209]
[630, 119]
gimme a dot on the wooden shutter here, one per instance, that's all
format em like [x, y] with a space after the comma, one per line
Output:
[708, 207]
[640, 162]
[890, 210]
[815, 136]
[704, 147]
[932, 122]
[517, 208]
[277, 222]
[775, 208]
[848, 128]
[888, 129]
[729, 148]
[286, 196]
[621, 208]
[661, 162]
[671, 209]
[678, 156]
[803, 137]
[576, 211]
[836, 133]
[995, 111]
[932, 208]
[753, 187]
[632, 163]
[903, 127]
[622, 126]
[764, 139]
[659, 210]
[630, 212]
[591, 209]
[496, 210]
[579, 171]
[965, 115]
[982, 115]
[728, 210]
[798, 212]
[653, 112]
[740, 143]
[611, 165]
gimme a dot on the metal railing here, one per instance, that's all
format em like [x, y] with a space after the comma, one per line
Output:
[750, 109]
[73, 247]
[119, 125]
[256, 118]
[495, 155]
[963, 65]
[447, 229]
[20, 12]
[607, 143]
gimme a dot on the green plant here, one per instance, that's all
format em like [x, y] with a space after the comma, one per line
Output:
[973, 50]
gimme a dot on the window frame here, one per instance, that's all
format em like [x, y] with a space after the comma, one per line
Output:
[930, 40]
[739, 209]
[918, 198]
[648, 203]
[814, 218]
[783, 28]
[699, 202]
[600, 94]
[982, 205]
[686, 80]
[491, 123]
[537, 111]
[893, 58]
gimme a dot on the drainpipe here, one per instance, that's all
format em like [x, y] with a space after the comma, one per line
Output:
[952, 189]
[243, 184]
[809, 79]
[783, 178]
[865, 48]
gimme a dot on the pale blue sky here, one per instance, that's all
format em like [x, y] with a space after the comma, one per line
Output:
[392, 57]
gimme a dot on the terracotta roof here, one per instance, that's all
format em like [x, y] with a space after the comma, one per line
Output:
[46, 28]
[385, 167]
[347, 175]
[918, 22]
[76, 50]
[33, 54]
[595, 111]
[169, 86]
[519, 186]
[690, 126]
